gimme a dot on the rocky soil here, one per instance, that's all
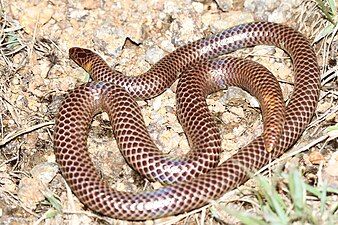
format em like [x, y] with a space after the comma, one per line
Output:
[132, 35]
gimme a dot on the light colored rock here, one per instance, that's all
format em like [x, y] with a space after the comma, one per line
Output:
[231, 19]
[154, 54]
[273, 11]
[7, 183]
[30, 192]
[324, 106]
[170, 7]
[198, 7]
[215, 105]
[91, 4]
[228, 117]
[225, 5]
[169, 140]
[34, 17]
[316, 157]
[45, 172]
[330, 173]
[237, 111]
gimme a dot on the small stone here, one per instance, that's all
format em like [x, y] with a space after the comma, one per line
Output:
[225, 5]
[209, 18]
[15, 81]
[167, 45]
[316, 157]
[156, 185]
[168, 139]
[215, 105]
[7, 184]
[35, 16]
[33, 105]
[172, 120]
[31, 140]
[45, 68]
[95, 123]
[157, 103]
[120, 186]
[45, 172]
[228, 117]
[170, 7]
[257, 127]
[154, 55]
[330, 173]
[231, 19]
[30, 192]
[91, 4]
[37, 82]
[238, 111]
[198, 7]
[238, 131]
[234, 92]
[147, 119]
[282, 13]
[254, 103]
[78, 14]
[322, 107]
[229, 142]
[188, 31]
[332, 117]
[105, 116]
[183, 144]
[66, 83]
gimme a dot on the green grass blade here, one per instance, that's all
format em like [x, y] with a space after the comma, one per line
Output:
[333, 8]
[245, 218]
[324, 32]
[297, 191]
[273, 198]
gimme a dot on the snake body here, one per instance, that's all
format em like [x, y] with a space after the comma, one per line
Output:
[112, 94]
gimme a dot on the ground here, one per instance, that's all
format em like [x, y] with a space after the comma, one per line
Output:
[36, 73]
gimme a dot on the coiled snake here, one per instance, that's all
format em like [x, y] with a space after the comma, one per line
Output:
[196, 183]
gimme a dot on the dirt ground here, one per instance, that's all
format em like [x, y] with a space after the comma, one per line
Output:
[36, 73]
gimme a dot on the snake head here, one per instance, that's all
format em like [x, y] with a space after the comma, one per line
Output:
[82, 57]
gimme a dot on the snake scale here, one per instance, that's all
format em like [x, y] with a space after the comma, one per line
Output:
[199, 75]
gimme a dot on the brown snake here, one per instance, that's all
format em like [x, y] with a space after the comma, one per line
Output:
[77, 110]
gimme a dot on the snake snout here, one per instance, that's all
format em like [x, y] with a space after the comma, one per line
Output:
[72, 51]
[76, 53]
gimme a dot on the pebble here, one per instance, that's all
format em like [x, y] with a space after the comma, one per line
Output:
[30, 192]
[225, 5]
[154, 55]
[167, 46]
[157, 103]
[228, 117]
[90, 4]
[45, 172]
[168, 139]
[198, 7]
[7, 183]
[330, 173]
[170, 7]
[215, 105]
[272, 10]
[324, 106]
[78, 14]
[315, 157]
[34, 17]
[237, 111]
[231, 19]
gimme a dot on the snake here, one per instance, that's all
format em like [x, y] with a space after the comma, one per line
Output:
[199, 74]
